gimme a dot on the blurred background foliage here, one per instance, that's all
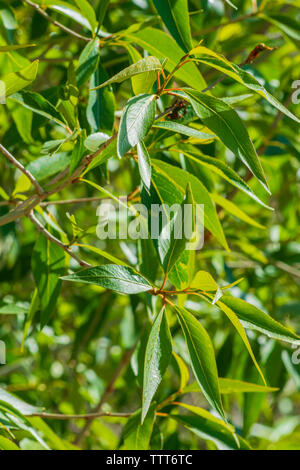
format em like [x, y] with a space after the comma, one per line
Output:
[66, 367]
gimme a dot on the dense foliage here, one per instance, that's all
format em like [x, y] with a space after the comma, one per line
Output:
[141, 343]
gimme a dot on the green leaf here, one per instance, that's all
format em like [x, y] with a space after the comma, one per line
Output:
[14, 82]
[287, 24]
[12, 309]
[175, 15]
[227, 125]
[7, 444]
[223, 170]
[104, 254]
[70, 11]
[20, 405]
[100, 111]
[157, 358]
[88, 62]
[238, 386]
[228, 386]
[172, 247]
[204, 281]
[234, 210]
[136, 435]
[144, 163]
[88, 12]
[14, 47]
[110, 276]
[47, 166]
[211, 58]
[207, 426]
[77, 152]
[185, 130]
[238, 326]
[38, 104]
[255, 319]
[148, 64]
[202, 357]
[48, 264]
[102, 8]
[159, 44]
[143, 82]
[94, 141]
[169, 178]
[184, 371]
[136, 121]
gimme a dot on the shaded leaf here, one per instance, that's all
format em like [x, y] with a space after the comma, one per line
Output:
[157, 358]
[119, 278]
[136, 121]
[175, 15]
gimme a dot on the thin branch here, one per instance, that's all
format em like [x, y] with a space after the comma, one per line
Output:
[70, 201]
[56, 23]
[26, 206]
[109, 389]
[55, 240]
[82, 416]
[19, 165]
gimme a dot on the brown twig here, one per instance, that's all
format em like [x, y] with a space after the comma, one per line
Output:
[56, 23]
[18, 165]
[26, 206]
[55, 240]
[70, 201]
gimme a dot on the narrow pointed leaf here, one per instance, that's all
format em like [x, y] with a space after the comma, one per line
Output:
[160, 44]
[176, 244]
[202, 357]
[223, 170]
[175, 15]
[118, 278]
[185, 130]
[204, 281]
[144, 163]
[48, 264]
[228, 126]
[16, 81]
[255, 319]
[211, 58]
[136, 121]
[157, 358]
[167, 176]
[136, 435]
[145, 65]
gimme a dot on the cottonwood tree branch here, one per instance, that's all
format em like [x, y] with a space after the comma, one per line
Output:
[55, 240]
[19, 165]
[70, 201]
[56, 23]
